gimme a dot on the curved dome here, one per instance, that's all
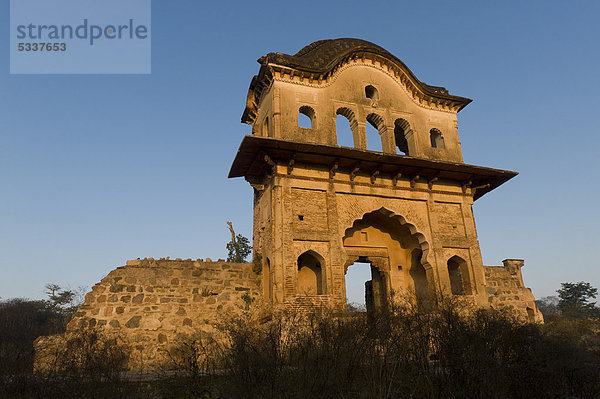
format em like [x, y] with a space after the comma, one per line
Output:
[323, 56]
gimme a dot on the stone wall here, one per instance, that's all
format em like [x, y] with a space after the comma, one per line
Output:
[151, 302]
[504, 285]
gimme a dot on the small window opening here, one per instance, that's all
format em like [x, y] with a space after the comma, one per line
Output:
[306, 117]
[372, 93]
[266, 131]
[300, 217]
[437, 140]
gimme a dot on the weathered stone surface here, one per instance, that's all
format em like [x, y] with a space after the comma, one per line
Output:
[134, 322]
[178, 309]
[514, 294]
[138, 298]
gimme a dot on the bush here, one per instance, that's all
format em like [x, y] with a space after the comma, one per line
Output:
[21, 322]
[452, 351]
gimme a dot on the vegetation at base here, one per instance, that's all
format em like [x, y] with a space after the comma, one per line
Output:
[452, 351]
[22, 321]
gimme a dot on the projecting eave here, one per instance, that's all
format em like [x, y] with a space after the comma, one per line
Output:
[250, 162]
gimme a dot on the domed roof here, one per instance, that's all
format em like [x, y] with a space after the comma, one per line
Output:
[321, 57]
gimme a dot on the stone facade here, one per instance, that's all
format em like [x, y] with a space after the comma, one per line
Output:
[406, 210]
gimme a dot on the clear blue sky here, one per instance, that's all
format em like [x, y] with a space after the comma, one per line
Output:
[97, 169]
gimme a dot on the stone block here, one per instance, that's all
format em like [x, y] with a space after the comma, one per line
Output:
[134, 322]
[138, 299]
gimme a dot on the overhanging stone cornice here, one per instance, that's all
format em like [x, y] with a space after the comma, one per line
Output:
[250, 163]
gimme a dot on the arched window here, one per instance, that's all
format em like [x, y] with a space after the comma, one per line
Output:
[371, 92]
[374, 141]
[436, 138]
[459, 276]
[345, 126]
[306, 117]
[401, 129]
[310, 281]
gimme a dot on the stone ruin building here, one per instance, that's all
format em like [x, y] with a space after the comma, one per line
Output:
[319, 207]
[405, 209]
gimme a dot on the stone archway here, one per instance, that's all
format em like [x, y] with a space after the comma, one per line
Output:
[397, 254]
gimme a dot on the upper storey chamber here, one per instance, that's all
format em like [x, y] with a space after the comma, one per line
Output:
[303, 97]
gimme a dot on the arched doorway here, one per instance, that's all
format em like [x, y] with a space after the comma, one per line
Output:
[394, 251]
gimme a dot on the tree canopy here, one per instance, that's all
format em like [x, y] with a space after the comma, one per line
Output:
[575, 299]
[239, 249]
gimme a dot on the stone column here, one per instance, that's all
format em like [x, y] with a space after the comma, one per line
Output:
[388, 142]
[360, 136]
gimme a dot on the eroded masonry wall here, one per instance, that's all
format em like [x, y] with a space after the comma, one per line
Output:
[151, 302]
[505, 288]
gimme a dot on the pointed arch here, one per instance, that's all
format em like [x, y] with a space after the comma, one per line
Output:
[436, 139]
[419, 270]
[458, 273]
[401, 132]
[308, 114]
[401, 220]
[310, 273]
[378, 123]
[349, 115]
[371, 92]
